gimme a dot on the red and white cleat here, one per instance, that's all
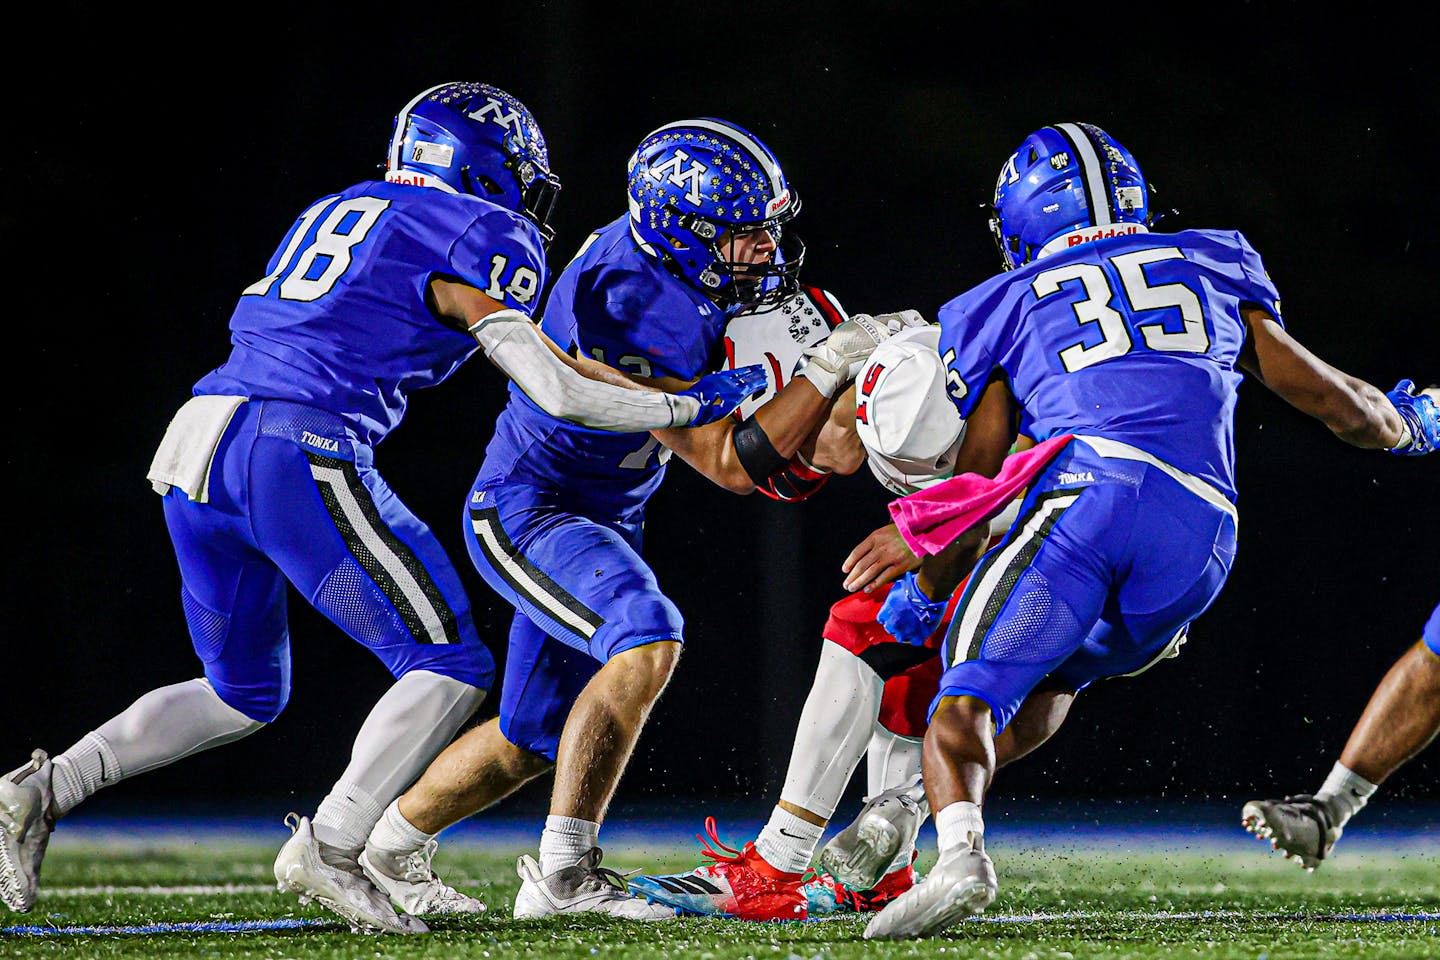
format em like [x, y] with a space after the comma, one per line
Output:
[733, 883]
[826, 895]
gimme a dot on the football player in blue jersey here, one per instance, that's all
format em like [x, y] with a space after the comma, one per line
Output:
[557, 510]
[1401, 719]
[1122, 350]
[268, 480]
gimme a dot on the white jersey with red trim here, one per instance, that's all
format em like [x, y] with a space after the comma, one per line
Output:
[774, 336]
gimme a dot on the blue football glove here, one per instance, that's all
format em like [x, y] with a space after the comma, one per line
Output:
[720, 393]
[1421, 416]
[907, 614]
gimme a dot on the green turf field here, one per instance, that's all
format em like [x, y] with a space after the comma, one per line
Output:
[1069, 901]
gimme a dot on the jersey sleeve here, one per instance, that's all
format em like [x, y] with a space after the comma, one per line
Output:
[1261, 289]
[968, 353]
[502, 256]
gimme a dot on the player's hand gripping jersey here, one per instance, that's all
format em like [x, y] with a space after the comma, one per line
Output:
[310, 332]
[1133, 338]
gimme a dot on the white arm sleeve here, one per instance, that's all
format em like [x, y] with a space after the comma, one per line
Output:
[512, 341]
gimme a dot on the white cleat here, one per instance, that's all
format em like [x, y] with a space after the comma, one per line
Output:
[26, 822]
[859, 855]
[961, 885]
[300, 869]
[585, 887]
[412, 885]
[1299, 827]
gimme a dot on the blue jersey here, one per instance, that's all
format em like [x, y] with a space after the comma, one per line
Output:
[1133, 338]
[340, 320]
[617, 304]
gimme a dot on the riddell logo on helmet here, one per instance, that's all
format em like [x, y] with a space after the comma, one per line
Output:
[1101, 233]
[778, 203]
[410, 178]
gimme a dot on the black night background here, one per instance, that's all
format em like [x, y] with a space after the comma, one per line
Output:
[152, 164]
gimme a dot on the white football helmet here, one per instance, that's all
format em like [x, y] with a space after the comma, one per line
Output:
[903, 415]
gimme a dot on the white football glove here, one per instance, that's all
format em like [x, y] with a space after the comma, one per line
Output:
[833, 362]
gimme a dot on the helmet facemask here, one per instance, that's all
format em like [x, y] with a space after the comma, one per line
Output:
[742, 283]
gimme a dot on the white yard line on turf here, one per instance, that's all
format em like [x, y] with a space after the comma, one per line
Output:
[156, 890]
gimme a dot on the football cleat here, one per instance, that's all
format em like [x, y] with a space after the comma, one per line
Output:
[26, 822]
[412, 885]
[1300, 827]
[826, 895]
[299, 869]
[961, 885]
[859, 855]
[734, 883]
[584, 887]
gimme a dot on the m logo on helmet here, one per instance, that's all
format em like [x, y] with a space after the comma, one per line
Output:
[690, 179]
[507, 117]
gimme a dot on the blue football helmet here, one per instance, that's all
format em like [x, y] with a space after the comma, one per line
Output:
[697, 182]
[477, 139]
[1067, 184]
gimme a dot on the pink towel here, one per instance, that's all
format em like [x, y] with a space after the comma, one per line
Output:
[931, 519]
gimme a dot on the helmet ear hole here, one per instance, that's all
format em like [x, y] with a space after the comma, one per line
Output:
[491, 188]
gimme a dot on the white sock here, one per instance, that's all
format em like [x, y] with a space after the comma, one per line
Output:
[165, 725]
[394, 837]
[786, 842]
[959, 824]
[343, 820]
[565, 841]
[1345, 793]
[415, 719]
[82, 770]
[833, 732]
[393, 841]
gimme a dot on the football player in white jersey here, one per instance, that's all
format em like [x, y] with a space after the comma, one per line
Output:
[870, 691]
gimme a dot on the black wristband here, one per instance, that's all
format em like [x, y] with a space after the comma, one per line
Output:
[755, 451]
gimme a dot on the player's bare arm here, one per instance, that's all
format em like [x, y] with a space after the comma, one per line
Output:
[836, 446]
[787, 420]
[1355, 411]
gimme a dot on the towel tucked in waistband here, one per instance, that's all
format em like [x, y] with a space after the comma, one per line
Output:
[184, 456]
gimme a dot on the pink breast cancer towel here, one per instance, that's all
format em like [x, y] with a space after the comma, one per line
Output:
[930, 520]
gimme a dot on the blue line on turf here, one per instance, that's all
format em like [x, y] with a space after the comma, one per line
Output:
[218, 926]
